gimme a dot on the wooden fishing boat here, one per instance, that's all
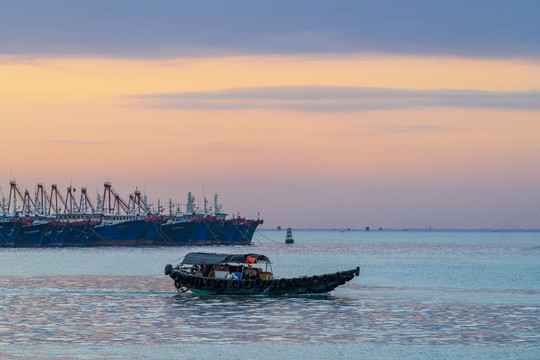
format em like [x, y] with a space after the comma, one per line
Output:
[246, 274]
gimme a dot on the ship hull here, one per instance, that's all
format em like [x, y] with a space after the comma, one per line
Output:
[240, 232]
[9, 232]
[211, 236]
[199, 235]
[79, 233]
[136, 232]
[149, 233]
[125, 233]
[31, 235]
[55, 235]
[175, 234]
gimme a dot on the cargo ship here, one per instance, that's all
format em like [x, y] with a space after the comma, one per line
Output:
[50, 220]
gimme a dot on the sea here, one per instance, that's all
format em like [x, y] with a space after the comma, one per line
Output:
[420, 295]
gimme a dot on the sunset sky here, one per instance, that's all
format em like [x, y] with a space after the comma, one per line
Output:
[317, 114]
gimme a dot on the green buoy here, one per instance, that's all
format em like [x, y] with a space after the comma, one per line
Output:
[289, 239]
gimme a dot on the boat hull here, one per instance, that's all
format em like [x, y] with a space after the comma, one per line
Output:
[233, 232]
[175, 234]
[31, 235]
[9, 231]
[317, 284]
[150, 232]
[55, 235]
[125, 233]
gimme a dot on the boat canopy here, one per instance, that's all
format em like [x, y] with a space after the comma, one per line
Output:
[199, 258]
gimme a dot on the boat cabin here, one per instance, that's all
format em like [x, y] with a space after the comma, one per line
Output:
[229, 266]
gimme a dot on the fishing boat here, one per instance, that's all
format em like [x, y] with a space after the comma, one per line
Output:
[10, 228]
[52, 220]
[246, 274]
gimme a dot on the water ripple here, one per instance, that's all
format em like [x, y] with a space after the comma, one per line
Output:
[91, 310]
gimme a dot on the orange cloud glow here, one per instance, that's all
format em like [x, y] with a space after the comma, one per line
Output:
[70, 116]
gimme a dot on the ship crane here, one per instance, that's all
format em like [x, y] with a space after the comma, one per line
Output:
[85, 201]
[55, 195]
[112, 202]
[28, 204]
[71, 204]
[136, 203]
[4, 206]
[43, 201]
[13, 192]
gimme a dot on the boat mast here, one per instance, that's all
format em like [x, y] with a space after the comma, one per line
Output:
[45, 211]
[74, 203]
[37, 205]
[24, 204]
[190, 204]
[99, 204]
[146, 204]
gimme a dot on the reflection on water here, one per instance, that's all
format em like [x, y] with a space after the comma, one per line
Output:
[91, 310]
[437, 293]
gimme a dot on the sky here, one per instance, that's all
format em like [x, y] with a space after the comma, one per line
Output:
[313, 114]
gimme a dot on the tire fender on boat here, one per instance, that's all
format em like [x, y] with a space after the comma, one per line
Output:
[294, 282]
[199, 282]
[210, 284]
[283, 283]
[259, 283]
[271, 283]
[189, 280]
[220, 284]
[248, 284]
[236, 284]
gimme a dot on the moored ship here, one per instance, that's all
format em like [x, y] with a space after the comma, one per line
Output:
[50, 220]
[9, 230]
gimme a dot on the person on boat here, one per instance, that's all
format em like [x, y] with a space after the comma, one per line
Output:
[250, 260]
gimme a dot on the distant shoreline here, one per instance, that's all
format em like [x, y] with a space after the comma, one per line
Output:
[405, 230]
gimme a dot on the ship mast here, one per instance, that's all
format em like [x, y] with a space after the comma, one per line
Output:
[190, 208]
[13, 192]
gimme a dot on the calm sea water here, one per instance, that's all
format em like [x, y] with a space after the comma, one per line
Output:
[420, 295]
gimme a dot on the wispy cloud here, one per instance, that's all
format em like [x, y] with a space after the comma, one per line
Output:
[223, 147]
[80, 142]
[341, 99]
